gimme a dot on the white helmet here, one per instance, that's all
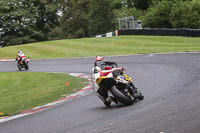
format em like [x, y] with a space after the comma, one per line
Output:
[97, 69]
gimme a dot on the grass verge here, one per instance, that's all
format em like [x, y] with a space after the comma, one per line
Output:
[21, 91]
[122, 45]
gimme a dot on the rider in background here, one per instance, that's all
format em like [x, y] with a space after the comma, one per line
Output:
[99, 60]
[19, 56]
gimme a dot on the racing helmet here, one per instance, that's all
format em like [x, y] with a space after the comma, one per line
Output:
[99, 58]
[19, 51]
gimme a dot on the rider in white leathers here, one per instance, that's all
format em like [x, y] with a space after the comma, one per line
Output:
[19, 56]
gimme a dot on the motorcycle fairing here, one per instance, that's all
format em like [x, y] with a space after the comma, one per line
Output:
[105, 82]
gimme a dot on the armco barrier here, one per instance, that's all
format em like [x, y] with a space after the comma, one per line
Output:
[161, 32]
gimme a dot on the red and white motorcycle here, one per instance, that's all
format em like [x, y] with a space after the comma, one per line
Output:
[22, 63]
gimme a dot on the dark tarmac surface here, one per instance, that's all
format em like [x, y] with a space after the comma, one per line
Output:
[169, 82]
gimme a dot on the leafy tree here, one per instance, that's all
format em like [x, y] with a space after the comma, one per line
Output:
[45, 13]
[158, 15]
[116, 4]
[101, 16]
[16, 22]
[173, 14]
[141, 4]
[74, 21]
[186, 14]
[24, 21]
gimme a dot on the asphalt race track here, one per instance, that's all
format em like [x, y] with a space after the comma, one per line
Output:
[169, 82]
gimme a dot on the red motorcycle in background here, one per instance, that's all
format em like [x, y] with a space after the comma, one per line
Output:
[22, 63]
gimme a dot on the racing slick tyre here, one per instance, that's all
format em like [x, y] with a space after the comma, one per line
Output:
[122, 98]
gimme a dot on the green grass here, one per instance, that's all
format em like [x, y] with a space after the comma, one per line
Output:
[122, 45]
[21, 91]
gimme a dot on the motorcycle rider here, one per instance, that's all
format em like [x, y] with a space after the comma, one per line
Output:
[19, 56]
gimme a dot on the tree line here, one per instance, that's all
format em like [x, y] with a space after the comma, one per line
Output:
[26, 21]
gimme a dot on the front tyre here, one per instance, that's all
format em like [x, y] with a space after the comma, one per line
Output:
[122, 98]
[19, 67]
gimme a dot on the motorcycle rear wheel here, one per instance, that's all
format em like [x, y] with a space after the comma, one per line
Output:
[122, 98]
[26, 66]
[19, 69]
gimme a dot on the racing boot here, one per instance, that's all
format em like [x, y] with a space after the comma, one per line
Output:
[137, 95]
[134, 90]
[107, 102]
[103, 95]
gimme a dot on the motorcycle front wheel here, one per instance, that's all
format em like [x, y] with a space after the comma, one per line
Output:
[18, 66]
[121, 97]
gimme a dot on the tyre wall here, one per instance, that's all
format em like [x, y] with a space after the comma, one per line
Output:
[161, 32]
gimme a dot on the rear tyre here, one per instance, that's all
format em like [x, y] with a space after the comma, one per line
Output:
[122, 98]
[26, 66]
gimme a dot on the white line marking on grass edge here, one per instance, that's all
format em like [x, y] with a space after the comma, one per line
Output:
[150, 55]
[84, 91]
[12, 117]
[7, 59]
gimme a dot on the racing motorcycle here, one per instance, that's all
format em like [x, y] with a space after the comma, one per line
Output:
[119, 86]
[22, 63]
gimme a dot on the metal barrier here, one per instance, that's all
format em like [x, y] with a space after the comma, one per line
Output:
[161, 32]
